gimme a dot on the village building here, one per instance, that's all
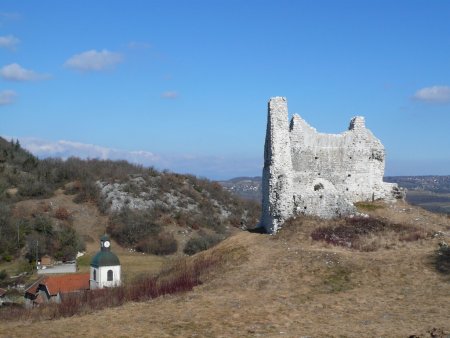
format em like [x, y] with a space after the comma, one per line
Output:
[2, 296]
[54, 288]
[105, 271]
[46, 261]
[105, 267]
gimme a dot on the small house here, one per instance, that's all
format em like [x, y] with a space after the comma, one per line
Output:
[46, 261]
[52, 288]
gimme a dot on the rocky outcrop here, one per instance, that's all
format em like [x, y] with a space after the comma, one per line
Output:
[306, 172]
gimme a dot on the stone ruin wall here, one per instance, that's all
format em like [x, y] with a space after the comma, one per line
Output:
[311, 173]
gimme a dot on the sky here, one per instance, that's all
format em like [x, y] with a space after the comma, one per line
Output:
[184, 85]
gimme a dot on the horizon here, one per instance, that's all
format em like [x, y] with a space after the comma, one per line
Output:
[184, 86]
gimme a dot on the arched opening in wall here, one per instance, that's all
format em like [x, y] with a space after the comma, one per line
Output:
[109, 276]
[95, 275]
[318, 186]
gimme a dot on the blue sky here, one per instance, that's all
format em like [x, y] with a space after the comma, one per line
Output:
[184, 85]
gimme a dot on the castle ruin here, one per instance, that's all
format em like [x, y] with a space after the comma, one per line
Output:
[311, 173]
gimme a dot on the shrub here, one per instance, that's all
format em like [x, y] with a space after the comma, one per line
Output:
[34, 188]
[351, 232]
[162, 244]
[7, 257]
[62, 213]
[442, 258]
[43, 225]
[128, 227]
[3, 275]
[88, 192]
[204, 242]
[73, 188]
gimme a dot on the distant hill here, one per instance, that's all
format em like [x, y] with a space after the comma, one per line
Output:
[429, 192]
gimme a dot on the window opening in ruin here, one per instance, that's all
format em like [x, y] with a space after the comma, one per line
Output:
[349, 175]
[318, 186]
[316, 158]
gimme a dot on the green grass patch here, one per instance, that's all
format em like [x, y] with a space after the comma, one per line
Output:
[338, 280]
[84, 260]
[368, 206]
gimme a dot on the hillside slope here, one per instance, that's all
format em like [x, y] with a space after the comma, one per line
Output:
[47, 201]
[288, 285]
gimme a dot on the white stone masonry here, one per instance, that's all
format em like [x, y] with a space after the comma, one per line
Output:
[311, 173]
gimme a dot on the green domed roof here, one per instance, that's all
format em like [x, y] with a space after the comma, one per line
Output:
[104, 258]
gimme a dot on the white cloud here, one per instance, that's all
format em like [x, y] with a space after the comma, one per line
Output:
[439, 94]
[8, 41]
[7, 97]
[215, 167]
[93, 60]
[66, 149]
[170, 95]
[15, 72]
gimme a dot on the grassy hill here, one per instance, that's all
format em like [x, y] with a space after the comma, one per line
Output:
[289, 285]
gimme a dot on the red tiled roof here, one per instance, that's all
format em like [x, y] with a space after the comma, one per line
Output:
[33, 287]
[66, 283]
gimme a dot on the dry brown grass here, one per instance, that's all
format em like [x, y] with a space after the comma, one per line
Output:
[288, 285]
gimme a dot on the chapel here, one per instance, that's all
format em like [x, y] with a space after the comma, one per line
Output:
[105, 267]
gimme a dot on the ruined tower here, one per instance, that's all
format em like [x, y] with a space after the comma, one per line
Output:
[277, 193]
[311, 173]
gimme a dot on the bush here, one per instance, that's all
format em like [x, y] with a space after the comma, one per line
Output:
[3, 275]
[204, 242]
[62, 213]
[88, 193]
[351, 231]
[163, 244]
[7, 257]
[43, 225]
[442, 258]
[128, 227]
[34, 188]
